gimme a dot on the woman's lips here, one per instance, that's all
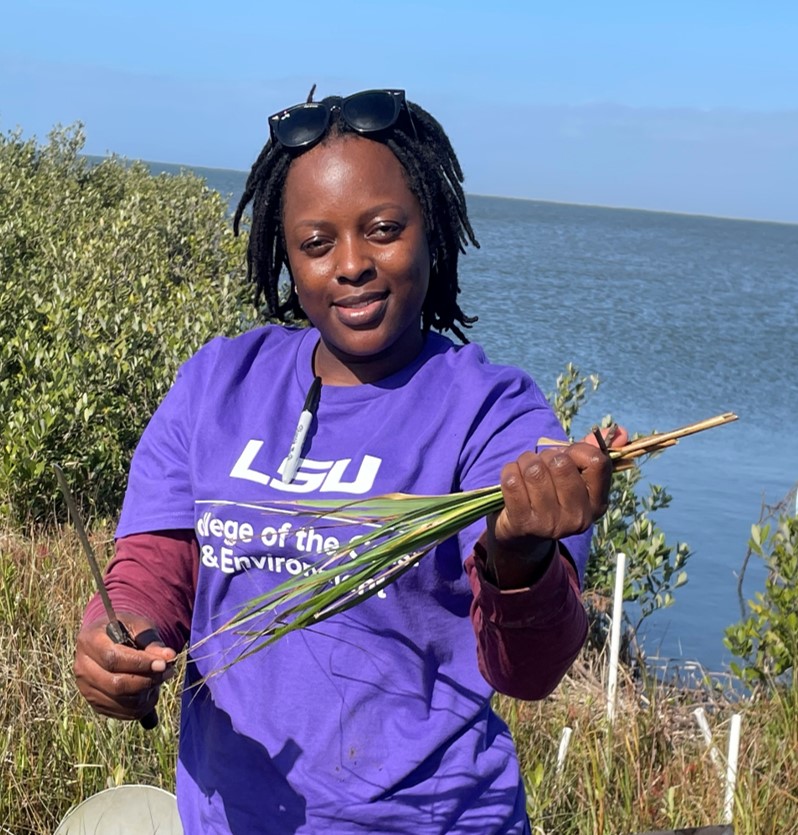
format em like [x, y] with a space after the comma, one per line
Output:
[361, 309]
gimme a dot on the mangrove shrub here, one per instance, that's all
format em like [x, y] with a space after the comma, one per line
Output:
[110, 277]
[766, 640]
[655, 567]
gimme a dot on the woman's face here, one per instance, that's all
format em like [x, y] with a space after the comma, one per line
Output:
[357, 247]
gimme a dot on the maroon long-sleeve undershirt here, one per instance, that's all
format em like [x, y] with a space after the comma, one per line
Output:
[153, 575]
[526, 638]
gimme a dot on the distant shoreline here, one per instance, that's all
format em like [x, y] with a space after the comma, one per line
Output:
[630, 209]
[198, 169]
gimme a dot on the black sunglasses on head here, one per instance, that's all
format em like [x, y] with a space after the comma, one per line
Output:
[369, 111]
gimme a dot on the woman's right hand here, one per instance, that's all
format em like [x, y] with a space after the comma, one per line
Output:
[117, 680]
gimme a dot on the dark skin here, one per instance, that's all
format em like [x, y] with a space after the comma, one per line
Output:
[119, 681]
[359, 257]
[360, 262]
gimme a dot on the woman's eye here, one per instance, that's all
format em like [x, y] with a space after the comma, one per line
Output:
[315, 246]
[386, 230]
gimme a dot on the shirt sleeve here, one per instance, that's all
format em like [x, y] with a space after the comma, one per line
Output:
[159, 494]
[153, 575]
[526, 638]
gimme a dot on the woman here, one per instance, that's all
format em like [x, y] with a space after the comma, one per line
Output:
[377, 720]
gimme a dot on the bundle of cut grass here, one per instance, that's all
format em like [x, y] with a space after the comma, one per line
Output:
[402, 529]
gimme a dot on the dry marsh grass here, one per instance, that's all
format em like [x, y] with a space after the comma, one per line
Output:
[651, 771]
[53, 751]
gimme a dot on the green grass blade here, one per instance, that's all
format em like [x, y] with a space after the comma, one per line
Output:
[403, 529]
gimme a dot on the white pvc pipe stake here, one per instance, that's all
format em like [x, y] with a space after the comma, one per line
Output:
[703, 725]
[615, 637]
[565, 738]
[731, 767]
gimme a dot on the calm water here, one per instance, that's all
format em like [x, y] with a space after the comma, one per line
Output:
[682, 318]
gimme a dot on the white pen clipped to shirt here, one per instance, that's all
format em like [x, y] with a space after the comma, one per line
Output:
[302, 428]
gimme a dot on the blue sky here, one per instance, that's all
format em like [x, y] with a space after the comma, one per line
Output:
[677, 106]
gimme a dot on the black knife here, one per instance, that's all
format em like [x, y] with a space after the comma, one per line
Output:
[116, 630]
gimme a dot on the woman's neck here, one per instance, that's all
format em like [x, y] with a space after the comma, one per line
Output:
[338, 369]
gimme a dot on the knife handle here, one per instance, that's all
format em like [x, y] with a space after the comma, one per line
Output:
[119, 634]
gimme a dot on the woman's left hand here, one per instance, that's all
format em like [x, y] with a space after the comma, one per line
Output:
[548, 495]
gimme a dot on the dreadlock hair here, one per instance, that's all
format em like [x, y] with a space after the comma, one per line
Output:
[434, 176]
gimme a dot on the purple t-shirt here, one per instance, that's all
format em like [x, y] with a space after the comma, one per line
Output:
[376, 720]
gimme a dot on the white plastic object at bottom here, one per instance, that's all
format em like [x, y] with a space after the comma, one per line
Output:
[124, 810]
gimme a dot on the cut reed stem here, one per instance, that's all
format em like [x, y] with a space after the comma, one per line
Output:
[658, 438]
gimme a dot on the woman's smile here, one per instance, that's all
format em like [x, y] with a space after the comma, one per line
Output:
[362, 309]
[359, 257]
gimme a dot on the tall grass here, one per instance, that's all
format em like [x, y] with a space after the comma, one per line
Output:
[53, 751]
[651, 771]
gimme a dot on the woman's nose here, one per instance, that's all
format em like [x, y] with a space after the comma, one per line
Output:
[355, 263]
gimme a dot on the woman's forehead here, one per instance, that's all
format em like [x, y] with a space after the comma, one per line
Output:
[344, 167]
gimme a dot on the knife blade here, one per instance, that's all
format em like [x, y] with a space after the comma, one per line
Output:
[115, 629]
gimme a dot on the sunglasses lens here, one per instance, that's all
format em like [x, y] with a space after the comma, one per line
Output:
[371, 111]
[302, 125]
[368, 112]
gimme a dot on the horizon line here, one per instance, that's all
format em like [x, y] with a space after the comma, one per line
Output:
[551, 201]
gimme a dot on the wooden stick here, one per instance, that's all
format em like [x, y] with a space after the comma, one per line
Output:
[646, 450]
[623, 456]
[650, 442]
[628, 461]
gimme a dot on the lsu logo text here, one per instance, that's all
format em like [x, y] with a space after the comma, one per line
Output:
[312, 476]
